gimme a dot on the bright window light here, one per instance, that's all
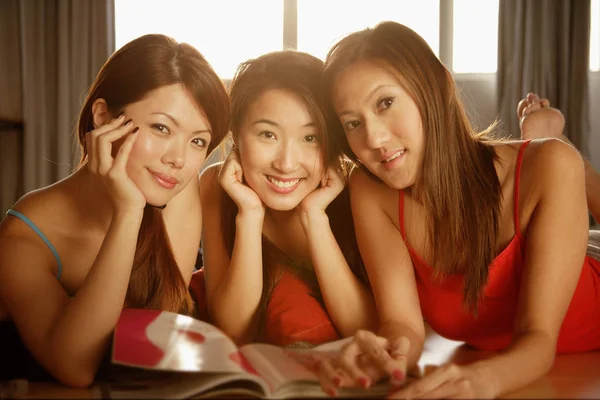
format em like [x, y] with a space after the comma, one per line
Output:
[475, 37]
[321, 23]
[595, 36]
[226, 32]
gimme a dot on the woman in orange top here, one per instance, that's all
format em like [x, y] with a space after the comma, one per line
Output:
[484, 239]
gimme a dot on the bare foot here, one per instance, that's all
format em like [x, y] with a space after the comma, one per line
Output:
[537, 119]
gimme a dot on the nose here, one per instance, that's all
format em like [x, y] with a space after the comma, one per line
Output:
[175, 153]
[377, 133]
[287, 157]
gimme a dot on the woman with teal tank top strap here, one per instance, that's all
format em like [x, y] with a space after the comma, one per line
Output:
[127, 221]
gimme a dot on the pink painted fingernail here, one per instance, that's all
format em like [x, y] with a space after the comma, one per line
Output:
[331, 392]
[337, 381]
[398, 375]
[364, 381]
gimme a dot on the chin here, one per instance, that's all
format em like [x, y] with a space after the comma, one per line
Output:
[281, 204]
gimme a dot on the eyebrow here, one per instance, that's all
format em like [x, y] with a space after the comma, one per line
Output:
[177, 122]
[371, 93]
[273, 123]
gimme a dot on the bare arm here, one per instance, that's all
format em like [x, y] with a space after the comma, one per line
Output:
[388, 265]
[51, 324]
[233, 285]
[556, 244]
[348, 301]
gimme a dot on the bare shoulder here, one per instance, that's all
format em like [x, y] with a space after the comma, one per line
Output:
[41, 206]
[551, 161]
[367, 192]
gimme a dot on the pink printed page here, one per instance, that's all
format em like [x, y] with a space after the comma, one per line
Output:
[163, 340]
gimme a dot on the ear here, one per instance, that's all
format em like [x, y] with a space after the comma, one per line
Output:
[100, 113]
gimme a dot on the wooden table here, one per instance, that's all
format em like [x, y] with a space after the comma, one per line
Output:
[572, 376]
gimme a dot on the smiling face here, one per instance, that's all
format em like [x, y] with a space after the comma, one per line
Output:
[172, 142]
[381, 121]
[279, 149]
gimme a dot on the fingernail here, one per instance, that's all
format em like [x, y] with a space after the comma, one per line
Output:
[137, 128]
[398, 375]
[120, 115]
[128, 122]
[337, 381]
[364, 382]
[331, 392]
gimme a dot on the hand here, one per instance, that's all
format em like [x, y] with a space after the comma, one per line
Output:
[366, 359]
[317, 201]
[449, 381]
[124, 195]
[231, 180]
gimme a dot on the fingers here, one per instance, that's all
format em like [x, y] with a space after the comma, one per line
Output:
[123, 154]
[377, 348]
[104, 146]
[232, 169]
[328, 377]
[99, 143]
[398, 349]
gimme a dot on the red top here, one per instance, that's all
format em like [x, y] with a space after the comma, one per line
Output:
[442, 304]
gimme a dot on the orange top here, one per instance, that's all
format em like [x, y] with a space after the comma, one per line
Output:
[442, 307]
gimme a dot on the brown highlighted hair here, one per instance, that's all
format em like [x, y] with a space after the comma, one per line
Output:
[142, 65]
[458, 183]
[301, 74]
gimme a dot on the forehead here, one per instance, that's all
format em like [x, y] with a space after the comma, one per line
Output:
[281, 106]
[174, 100]
[360, 79]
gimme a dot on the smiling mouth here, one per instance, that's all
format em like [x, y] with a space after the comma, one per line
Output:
[283, 184]
[393, 157]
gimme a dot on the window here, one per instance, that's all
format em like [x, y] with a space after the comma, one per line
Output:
[595, 36]
[228, 32]
[225, 38]
[475, 40]
[322, 23]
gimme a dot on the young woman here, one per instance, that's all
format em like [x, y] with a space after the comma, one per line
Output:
[124, 229]
[483, 239]
[276, 209]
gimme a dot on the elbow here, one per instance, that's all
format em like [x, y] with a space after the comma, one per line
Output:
[75, 377]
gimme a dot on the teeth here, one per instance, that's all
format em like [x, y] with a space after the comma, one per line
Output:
[392, 158]
[283, 185]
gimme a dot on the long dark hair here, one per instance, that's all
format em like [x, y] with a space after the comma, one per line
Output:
[142, 65]
[299, 73]
[458, 184]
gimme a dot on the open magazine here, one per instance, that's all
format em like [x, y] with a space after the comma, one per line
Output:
[168, 355]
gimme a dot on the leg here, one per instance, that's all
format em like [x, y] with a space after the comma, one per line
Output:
[538, 119]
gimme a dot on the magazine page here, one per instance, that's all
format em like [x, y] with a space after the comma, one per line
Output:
[162, 340]
[151, 384]
[292, 372]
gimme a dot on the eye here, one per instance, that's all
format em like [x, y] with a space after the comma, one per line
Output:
[200, 142]
[311, 138]
[350, 125]
[267, 135]
[385, 103]
[161, 128]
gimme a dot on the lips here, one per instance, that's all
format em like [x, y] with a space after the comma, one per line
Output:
[164, 180]
[283, 185]
[392, 155]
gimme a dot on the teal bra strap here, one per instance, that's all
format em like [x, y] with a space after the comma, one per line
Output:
[41, 235]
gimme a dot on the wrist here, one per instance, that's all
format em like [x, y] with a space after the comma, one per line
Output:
[312, 217]
[128, 216]
[253, 215]
[485, 375]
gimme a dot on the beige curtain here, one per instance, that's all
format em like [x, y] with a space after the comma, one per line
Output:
[50, 52]
[544, 48]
